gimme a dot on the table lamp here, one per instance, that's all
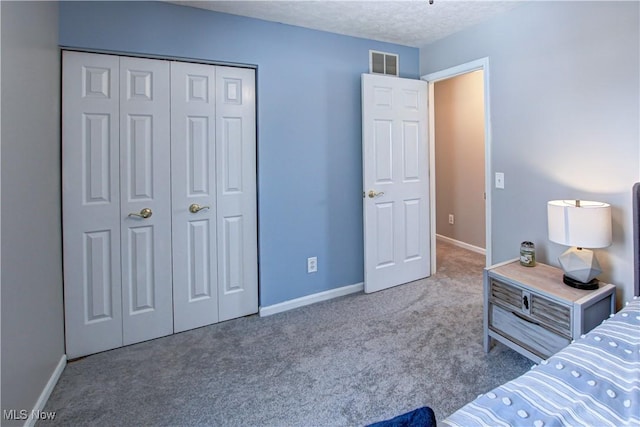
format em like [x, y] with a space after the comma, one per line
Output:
[579, 224]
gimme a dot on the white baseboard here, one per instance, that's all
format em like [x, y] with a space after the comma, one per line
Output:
[46, 392]
[462, 244]
[311, 299]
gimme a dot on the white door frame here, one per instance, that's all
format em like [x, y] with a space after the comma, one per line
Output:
[432, 78]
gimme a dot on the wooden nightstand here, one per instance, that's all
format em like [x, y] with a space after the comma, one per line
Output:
[530, 310]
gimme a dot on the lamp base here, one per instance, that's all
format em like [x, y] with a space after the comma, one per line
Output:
[589, 286]
[580, 264]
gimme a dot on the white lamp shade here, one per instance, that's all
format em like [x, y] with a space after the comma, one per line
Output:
[584, 226]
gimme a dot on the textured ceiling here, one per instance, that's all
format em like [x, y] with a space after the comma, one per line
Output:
[412, 23]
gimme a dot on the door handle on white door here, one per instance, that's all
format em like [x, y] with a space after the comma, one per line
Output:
[373, 194]
[144, 213]
[195, 208]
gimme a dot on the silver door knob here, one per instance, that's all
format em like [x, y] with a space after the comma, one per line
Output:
[144, 213]
[195, 208]
[373, 194]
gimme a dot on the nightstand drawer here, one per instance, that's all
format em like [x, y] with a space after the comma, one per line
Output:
[527, 333]
[542, 310]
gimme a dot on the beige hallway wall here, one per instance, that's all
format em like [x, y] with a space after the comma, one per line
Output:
[459, 149]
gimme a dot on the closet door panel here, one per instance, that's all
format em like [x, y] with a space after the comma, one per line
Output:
[91, 203]
[236, 192]
[145, 188]
[193, 154]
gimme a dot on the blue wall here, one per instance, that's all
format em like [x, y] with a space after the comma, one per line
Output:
[309, 132]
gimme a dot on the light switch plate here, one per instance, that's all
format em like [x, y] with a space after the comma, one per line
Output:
[500, 180]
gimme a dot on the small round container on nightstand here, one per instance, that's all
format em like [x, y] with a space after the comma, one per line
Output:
[527, 254]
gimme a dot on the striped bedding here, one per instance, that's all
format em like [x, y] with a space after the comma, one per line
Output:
[595, 381]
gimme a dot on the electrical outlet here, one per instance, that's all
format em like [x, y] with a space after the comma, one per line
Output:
[500, 180]
[312, 264]
[451, 219]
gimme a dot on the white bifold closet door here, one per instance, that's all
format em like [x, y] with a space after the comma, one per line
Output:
[145, 183]
[91, 203]
[214, 194]
[159, 198]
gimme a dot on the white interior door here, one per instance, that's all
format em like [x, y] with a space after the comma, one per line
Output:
[145, 183]
[193, 158]
[236, 199]
[91, 203]
[396, 181]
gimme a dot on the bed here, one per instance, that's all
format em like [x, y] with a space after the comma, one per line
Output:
[595, 381]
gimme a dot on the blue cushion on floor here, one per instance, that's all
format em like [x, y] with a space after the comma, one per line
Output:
[421, 417]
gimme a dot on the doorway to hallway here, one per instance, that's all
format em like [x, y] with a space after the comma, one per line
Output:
[459, 151]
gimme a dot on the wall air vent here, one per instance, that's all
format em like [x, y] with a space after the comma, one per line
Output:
[383, 63]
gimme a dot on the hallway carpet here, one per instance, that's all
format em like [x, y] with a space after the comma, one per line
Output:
[350, 361]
